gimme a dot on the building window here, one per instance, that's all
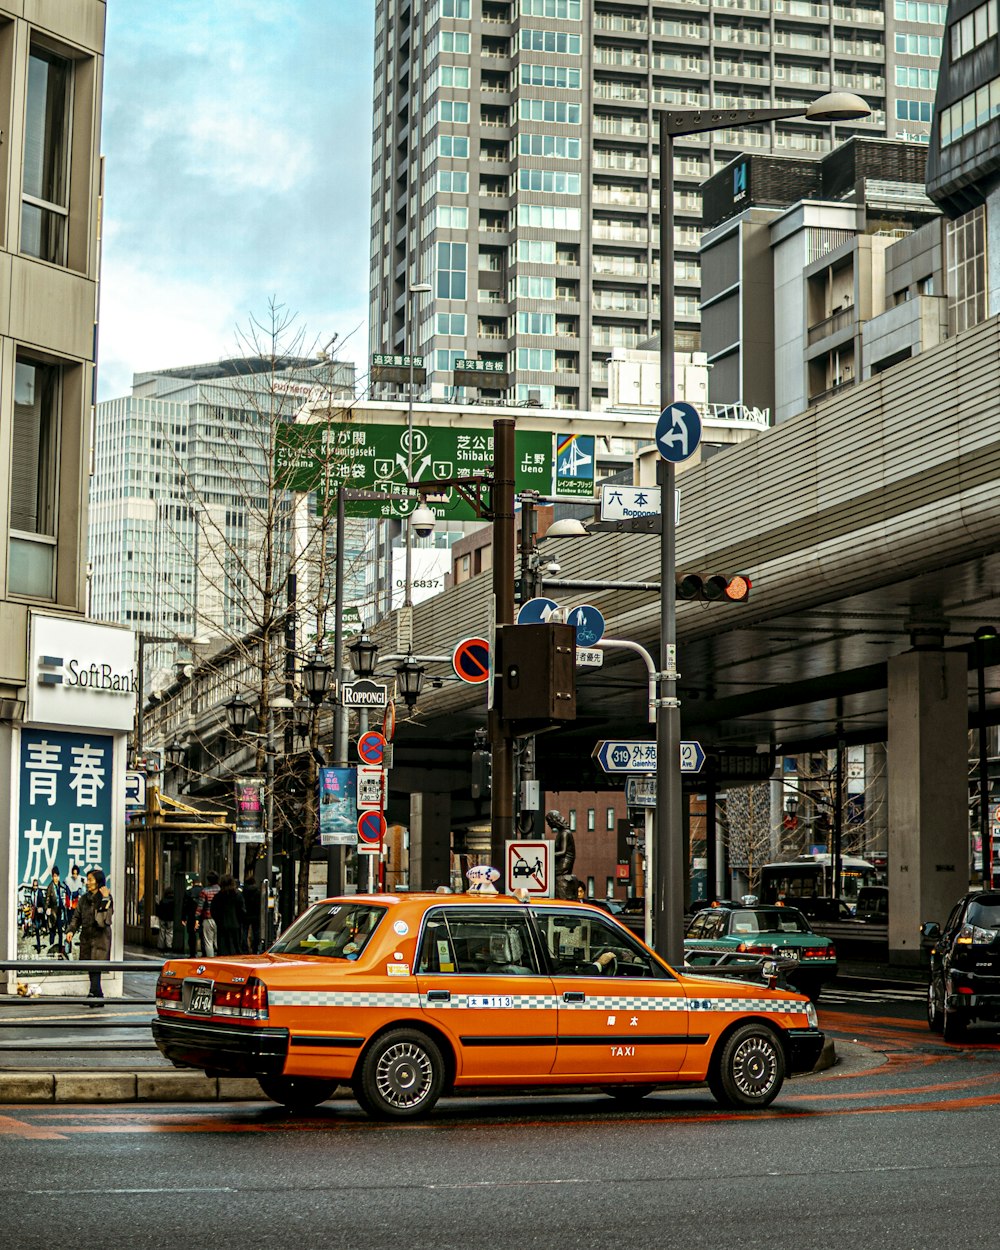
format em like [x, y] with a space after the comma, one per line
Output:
[34, 478]
[549, 111]
[45, 192]
[590, 887]
[537, 251]
[591, 817]
[917, 11]
[455, 8]
[913, 110]
[611, 816]
[548, 145]
[973, 29]
[451, 261]
[456, 146]
[572, 821]
[537, 360]
[452, 217]
[455, 41]
[919, 45]
[966, 252]
[536, 323]
[550, 76]
[451, 323]
[531, 286]
[609, 888]
[454, 180]
[548, 217]
[557, 181]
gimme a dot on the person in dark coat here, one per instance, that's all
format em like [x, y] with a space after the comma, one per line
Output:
[92, 919]
[192, 897]
[230, 915]
[56, 910]
[251, 900]
[165, 915]
[37, 913]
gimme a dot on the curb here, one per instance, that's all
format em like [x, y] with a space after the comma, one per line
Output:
[98, 1087]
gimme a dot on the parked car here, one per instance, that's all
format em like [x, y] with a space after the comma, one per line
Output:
[873, 904]
[964, 982]
[408, 997]
[763, 930]
[823, 909]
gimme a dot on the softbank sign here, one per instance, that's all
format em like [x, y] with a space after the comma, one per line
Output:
[81, 673]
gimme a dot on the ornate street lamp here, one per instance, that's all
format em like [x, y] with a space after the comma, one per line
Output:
[364, 655]
[410, 676]
[238, 713]
[316, 680]
[176, 753]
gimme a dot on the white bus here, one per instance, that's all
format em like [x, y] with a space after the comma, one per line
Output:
[811, 876]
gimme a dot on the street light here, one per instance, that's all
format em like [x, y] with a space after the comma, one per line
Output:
[316, 679]
[418, 288]
[668, 859]
[238, 715]
[364, 654]
[410, 676]
[176, 752]
[984, 634]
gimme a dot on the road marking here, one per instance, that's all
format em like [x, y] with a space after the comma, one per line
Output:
[10, 1127]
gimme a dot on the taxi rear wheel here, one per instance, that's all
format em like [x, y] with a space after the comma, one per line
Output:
[297, 1093]
[749, 1069]
[401, 1076]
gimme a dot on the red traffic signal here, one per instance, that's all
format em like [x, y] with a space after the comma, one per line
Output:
[714, 587]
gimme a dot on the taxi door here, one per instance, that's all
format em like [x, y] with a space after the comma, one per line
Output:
[480, 979]
[620, 1013]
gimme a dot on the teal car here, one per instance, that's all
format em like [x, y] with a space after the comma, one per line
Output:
[774, 932]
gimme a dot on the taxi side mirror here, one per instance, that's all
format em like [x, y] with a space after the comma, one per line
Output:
[930, 930]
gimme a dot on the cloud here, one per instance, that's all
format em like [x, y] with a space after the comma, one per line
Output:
[237, 140]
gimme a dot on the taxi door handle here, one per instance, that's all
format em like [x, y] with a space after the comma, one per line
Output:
[574, 996]
[438, 996]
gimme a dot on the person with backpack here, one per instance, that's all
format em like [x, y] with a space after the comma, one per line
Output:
[203, 921]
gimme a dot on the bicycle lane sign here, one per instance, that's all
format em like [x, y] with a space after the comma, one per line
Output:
[529, 867]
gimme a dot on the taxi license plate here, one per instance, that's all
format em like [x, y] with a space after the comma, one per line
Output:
[199, 996]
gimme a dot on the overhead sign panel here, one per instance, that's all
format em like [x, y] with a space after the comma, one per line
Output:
[622, 503]
[322, 457]
[640, 757]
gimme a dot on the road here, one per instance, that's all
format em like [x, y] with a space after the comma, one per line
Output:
[897, 1141]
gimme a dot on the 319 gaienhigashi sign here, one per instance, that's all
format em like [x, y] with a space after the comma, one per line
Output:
[65, 806]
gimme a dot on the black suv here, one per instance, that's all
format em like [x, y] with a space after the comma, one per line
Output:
[965, 965]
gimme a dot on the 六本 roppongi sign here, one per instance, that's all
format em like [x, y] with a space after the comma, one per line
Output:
[324, 457]
[65, 803]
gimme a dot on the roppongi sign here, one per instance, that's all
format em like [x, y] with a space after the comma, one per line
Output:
[81, 673]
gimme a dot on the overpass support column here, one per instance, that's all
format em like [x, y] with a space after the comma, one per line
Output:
[927, 771]
[430, 840]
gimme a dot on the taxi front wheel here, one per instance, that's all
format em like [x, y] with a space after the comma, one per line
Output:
[749, 1069]
[401, 1076]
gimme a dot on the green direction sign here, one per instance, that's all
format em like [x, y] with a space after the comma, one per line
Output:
[323, 458]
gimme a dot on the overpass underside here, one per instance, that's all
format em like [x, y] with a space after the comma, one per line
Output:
[871, 530]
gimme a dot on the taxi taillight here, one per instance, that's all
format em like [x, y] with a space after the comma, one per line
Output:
[168, 993]
[242, 1002]
[754, 948]
[817, 952]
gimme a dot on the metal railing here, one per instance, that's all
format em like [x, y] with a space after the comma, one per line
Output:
[98, 1021]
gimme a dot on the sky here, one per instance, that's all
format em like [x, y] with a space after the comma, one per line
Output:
[237, 144]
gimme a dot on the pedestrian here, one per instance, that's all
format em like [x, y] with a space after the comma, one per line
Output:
[165, 915]
[203, 921]
[230, 915]
[37, 913]
[92, 919]
[251, 901]
[192, 897]
[56, 911]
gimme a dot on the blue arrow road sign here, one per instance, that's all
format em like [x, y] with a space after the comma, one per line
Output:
[640, 757]
[678, 432]
[536, 611]
[692, 757]
[588, 623]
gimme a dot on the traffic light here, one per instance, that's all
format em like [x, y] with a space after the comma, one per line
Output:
[714, 587]
[482, 774]
[535, 676]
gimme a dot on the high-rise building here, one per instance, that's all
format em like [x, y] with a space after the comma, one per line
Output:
[515, 164]
[183, 493]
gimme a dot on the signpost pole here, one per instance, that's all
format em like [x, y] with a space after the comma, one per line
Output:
[668, 864]
[502, 810]
[333, 856]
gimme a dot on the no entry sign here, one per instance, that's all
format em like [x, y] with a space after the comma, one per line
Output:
[471, 660]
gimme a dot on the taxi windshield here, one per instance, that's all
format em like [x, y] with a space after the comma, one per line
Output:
[335, 930]
[780, 920]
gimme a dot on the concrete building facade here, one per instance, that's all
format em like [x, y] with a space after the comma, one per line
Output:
[514, 162]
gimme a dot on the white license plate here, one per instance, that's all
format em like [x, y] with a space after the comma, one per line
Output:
[200, 1001]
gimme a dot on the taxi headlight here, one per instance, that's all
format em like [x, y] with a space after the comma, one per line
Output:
[812, 1015]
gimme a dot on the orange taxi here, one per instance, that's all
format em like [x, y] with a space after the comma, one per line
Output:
[408, 997]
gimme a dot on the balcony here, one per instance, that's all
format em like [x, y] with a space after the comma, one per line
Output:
[801, 43]
[679, 30]
[831, 325]
[618, 302]
[620, 126]
[859, 47]
[748, 6]
[621, 196]
[620, 91]
[861, 17]
[874, 83]
[621, 160]
[619, 267]
[743, 69]
[622, 234]
[799, 73]
[801, 8]
[737, 34]
[621, 25]
[621, 56]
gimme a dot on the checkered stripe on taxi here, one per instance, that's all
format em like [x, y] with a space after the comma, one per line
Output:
[335, 998]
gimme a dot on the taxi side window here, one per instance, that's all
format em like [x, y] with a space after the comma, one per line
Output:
[495, 944]
[584, 945]
[696, 928]
[715, 925]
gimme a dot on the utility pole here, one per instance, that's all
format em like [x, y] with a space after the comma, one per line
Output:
[502, 507]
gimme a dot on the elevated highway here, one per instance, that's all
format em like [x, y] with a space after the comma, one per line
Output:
[866, 523]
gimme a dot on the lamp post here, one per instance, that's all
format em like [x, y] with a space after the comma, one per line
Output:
[418, 288]
[984, 634]
[668, 876]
